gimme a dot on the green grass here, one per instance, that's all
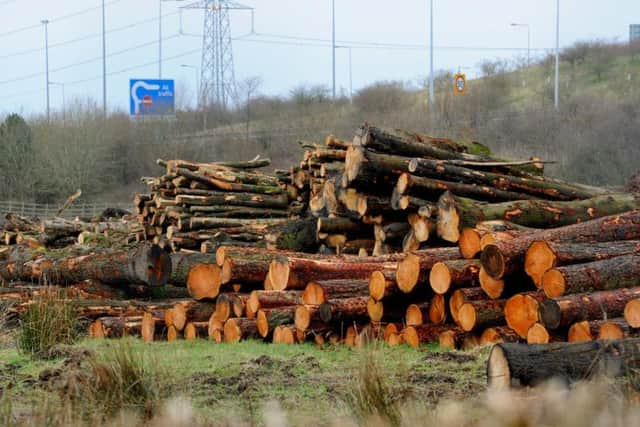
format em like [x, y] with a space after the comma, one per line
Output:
[237, 380]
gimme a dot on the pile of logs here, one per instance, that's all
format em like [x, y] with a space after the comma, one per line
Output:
[394, 236]
[197, 206]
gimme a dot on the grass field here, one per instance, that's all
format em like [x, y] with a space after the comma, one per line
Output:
[234, 382]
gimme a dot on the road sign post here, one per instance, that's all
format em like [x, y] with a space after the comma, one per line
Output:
[151, 97]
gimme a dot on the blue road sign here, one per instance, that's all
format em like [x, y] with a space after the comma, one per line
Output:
[151, 97]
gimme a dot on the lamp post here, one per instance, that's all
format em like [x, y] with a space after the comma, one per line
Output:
[514, 24]
[45, 22]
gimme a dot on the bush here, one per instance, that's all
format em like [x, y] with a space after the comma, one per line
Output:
[49, 321]
[124, 378]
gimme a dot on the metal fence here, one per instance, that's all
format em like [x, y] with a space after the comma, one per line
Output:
[49, 210]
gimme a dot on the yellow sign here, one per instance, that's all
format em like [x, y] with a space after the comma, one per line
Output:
[459, 84]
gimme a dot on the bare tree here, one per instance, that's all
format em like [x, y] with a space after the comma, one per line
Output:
[247, 90]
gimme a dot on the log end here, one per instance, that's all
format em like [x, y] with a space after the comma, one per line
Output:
[437, 309]
[469, 243]
[223, 308]
[610, 331]
[447, 339]
[408, 273]
[217, 336]
[498, 371]
[148, 327]
[302, 318]
[490, 336]
[537, 334]
[190, 333]
[375, 309]
[377, 285]
[278, 275]
[155, 269]
[391, 328]
[440, 278]
[403, 183]
[213, 326]
[231, 331]
[493, 261]
[413, 315]
[394, 339]
[410, 336]
[203, 281]
[313, 294]
[492, 287]
[553, 283]
[262, 323]
[448, 224]
[521, 313]
[172, 334]
[467, 317]
[632, 313]
[179, 316]
[539, 258]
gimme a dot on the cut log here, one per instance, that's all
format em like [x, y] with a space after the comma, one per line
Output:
[423, 334]
[632, 313]
[521, 312]
[305, 315]
[542, 256]
[613, 273]
[457, 339]
[247, 269]
[146, 265]
[195, 330]
[415, 267]
[563, 311]
[492, 287]
[437, 309]
[499, 334]
[268, 318]
[474, 315]
[181, 264]
[414, 314]
[455, 213]
[382, 284]
[273, 299]
[203, 281]
[502, 257]
[538, 334]
[191, 311]
[240, 328]
[455, 273]
[461, 296]
[344, 309]
[613, 329]
[533, 364]
[317, 293]
[275, 201]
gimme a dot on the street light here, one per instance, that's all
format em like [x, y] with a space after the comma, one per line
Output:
[350, 71]
[45, 22]
[514, 24]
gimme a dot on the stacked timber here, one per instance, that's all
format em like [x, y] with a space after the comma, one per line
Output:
[197, 206]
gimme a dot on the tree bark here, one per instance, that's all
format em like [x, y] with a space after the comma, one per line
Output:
[498, 334]
[456, 213]
[533, 364]
[268, 318]
[502, 257]
[181, 264]
[542, 256]
[612, 273]
[240, 328]
[344, 309]
[319, 292]
[455, 273]
[612, 329]
[478, 314]
[563, 311]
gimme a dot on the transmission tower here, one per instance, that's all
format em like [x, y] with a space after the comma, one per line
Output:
[217, 79]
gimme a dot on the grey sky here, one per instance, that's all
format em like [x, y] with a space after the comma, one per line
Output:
[276, 53]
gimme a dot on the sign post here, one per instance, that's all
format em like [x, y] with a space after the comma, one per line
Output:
[459, 84]
[148, 97]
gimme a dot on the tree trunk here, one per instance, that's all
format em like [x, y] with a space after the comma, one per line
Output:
[505, 256]
[319, 292]
[612, 273]
[533, 364]
[146, 265]
[235, 199]
[521, 311]
[273, 299]
[181, 264]
[478, 314]
[542, 256]
[382, 284]
[498, 334]
[563, 311]
[248, 269]
[344, 309]
[268, 318]
[456, 213]
[455, 273]
[240, 328]
[191, 311]
[462, 296]
[473, 240]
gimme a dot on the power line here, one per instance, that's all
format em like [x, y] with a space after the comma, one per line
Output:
[87, 61]
[58, 19]
[86, 37]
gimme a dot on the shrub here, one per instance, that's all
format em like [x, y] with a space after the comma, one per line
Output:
[48, 321]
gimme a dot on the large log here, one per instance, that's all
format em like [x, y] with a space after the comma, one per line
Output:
[498, 334]
[319, 292]
[456, 213]
[502, 257]
[563, 311]
[146, 265]
[542, 256]
[461, 296]
[235, 199]
[268, 318]
[521, 311]
[424, 187]
[273, 299]
[344, 309]
[612, 273]
[181, 264]
[533, 364]
[203, 281]
[481, 314]
[240, 328]
[455, 273]
[612, 329]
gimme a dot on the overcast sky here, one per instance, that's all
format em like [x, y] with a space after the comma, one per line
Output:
[290, 45]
